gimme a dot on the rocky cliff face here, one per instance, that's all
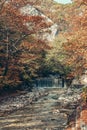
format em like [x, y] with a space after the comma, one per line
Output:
[48, 33]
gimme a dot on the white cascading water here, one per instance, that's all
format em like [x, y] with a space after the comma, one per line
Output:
[50, 82]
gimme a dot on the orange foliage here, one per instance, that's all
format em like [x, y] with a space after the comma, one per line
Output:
[17, 54]
[76, 46]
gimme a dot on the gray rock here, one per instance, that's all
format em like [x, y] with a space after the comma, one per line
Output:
[48, 33]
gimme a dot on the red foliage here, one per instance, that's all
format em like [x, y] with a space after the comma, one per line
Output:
[76, 46]
[16, 52]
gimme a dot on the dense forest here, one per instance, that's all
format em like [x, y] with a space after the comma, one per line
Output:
[24, 56]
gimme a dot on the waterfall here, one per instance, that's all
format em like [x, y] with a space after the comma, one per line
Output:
[50, 82]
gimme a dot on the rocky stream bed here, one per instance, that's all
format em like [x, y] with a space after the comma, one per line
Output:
[41, 109]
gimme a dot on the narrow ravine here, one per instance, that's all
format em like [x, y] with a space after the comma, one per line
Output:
[52, 111]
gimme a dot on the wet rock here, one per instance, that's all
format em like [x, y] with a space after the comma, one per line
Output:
[55, 97]
[70, 92]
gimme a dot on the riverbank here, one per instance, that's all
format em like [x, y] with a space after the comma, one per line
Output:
[81, 120]
[15, 101]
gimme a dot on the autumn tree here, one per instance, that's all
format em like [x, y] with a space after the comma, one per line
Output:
[18, 54]
[76, 47]
[69, 54]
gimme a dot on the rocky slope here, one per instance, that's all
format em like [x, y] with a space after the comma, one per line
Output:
[48, 33]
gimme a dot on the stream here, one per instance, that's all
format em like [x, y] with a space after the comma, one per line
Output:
[51, 110]
[40, 115]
